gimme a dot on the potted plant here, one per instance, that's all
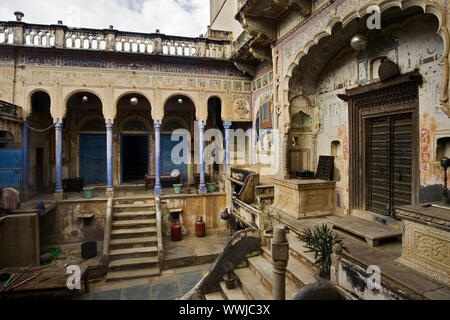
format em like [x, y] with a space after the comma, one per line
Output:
[320, 241]
[229, 278]
[269, 214]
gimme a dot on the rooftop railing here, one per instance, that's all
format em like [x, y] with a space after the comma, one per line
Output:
[60, 36]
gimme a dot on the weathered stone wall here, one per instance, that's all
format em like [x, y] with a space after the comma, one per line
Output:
[19, 240]
[413, 44]
[208, 206]
[63, 225]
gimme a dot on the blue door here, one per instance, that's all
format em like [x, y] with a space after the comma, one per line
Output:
[93, 158]
[10, 168]
[166, 161]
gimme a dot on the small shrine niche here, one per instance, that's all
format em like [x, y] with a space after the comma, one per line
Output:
[442, 148]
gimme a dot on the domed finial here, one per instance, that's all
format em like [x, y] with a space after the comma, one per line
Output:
[19, 15]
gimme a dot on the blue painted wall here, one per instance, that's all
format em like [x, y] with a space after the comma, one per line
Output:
[166, 162]
[93, 158]
[10, 168]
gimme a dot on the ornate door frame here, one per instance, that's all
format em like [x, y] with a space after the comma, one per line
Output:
[390, 97]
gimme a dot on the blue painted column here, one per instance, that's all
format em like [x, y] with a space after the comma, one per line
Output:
[109, 154]
[201, 129]
[58, 156]
[25, 157]
[157, 126]
[227, 126]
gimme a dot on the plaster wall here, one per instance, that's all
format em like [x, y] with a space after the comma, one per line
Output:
[413, 44]
[222, 16]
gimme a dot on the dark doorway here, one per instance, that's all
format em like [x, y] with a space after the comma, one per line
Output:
[135, 157]
[39, 169]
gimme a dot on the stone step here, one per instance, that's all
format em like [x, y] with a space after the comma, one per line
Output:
[133, 199]
[265, 198]
[214, 296]
[133, 252]
[132, 263]
[297, 272]
[134, 214]
[133, 242]
[251, 286]
[298, 251]
[133, 232]
[138, 223]
[372, 231]
[264, 271]
[232, 294]
[134, 207]
[265, 189]
[132, 274]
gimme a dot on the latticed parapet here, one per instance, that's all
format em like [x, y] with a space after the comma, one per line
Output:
[60, 36]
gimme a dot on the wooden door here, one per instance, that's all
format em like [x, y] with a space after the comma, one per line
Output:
[389, 162]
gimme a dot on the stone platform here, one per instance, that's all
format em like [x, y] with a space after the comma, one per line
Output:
[373, 232]
[304, 198]
[426, 240]
[192, 250]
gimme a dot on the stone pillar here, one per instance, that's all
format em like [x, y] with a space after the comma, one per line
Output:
[58, 159]
[201, 128]
[110, 38]
[25, 158]
[109, 157]
[60, 36]
[227, 126]
[280, 257]
[335, 259]
[18, 33]
[286, 169]
[157, 126]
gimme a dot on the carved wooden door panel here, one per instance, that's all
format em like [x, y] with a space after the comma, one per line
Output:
[389, 162]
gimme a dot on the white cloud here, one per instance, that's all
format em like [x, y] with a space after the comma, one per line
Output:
[174, 17]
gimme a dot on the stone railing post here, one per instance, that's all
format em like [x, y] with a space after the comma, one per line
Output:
[335, 259]
[280, 257]
[110, 39]
[60, 39]
[157, 43]
[18, 33]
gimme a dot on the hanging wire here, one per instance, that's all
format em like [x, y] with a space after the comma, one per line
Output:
[39, 130]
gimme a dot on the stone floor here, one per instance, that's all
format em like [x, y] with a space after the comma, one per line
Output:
[191, 246]
[171, 284]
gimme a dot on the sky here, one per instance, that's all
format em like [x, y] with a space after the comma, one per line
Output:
[172, 17]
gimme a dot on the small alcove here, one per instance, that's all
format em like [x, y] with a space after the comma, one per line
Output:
[442, 148]
[336, 150]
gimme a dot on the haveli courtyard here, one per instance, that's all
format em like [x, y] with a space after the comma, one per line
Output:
[286, 117]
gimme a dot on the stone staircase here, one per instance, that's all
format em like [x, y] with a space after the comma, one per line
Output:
[264, 193]
[254, 281]
[134, 242]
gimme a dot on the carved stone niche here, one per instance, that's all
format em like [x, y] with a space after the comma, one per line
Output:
[300, 134]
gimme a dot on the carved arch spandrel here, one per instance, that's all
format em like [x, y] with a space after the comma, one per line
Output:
[436, 8]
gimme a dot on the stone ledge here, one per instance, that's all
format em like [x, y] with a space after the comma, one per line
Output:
[425, 214]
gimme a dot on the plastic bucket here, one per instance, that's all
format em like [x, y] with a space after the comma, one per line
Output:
[88, 192]
[211, 187]
[177, 187]
[89, 250]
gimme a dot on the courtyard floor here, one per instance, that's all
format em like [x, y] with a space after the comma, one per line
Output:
[171, 284]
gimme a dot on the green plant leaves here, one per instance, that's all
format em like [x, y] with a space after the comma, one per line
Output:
[320, 241]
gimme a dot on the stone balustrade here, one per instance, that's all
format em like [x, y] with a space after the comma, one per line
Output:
[61, 36]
